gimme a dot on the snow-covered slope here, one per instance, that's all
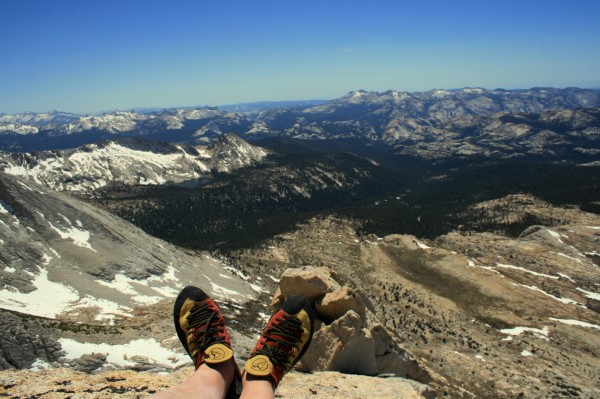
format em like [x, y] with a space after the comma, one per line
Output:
[129, 162]
[64, 260]
[229, 153]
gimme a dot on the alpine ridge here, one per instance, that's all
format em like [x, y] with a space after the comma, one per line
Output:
[437, 123]
[130, 161]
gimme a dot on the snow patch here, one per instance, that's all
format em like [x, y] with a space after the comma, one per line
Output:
[421, 245]
[25, 186]
[263, 316]
[5, 208]
[257, 288]
[107, 310]
[555, 235]
[40, 364]
[127, 286]
[592, 295]
[526, 271]
[471, 263]
[124, 285]
[540, 333]
[124, 355]
[49, 299]
[80, 237]
[576, 323]
[223, 292]
[47, 258]
[568, 257]
[566, 277]
[563, 300]
[235, 272]
[526, 353]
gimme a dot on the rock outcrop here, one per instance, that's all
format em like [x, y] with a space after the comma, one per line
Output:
[348, 336]
[63, 383]
[491, 316]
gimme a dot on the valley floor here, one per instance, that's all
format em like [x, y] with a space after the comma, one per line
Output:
[489, 316]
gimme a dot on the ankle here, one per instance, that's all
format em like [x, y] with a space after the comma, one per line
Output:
[257, 386]
[224, 371]
[248, 378]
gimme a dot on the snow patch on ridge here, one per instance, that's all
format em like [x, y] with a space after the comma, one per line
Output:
[127, 286]
[563, 300]
[540, 333]
[500, 265]
[50, 299]
[576, 323]
[124, 355]
[78, 236]
[592, 295]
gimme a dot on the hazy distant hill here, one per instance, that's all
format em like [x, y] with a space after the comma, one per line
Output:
[258, 106]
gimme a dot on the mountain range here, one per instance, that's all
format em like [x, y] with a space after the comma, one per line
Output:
[438, 123]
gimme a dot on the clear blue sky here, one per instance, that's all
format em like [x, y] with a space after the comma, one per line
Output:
[91, 55]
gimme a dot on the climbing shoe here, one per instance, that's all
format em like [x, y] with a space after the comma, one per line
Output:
[201, 328]
[284, 340]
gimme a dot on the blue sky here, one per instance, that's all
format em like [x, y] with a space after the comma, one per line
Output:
[90, 56]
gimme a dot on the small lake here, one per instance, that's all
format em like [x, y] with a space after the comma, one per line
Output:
[194, 183]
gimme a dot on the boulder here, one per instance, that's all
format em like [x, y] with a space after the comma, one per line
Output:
[89, 362]
[312, 282]
[342, 346]
[348, 336]
[392, 359]
[335, 304]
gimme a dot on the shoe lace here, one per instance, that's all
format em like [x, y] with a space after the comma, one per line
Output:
[203, 315]
[281, 339]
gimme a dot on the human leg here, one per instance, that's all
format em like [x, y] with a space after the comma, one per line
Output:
[282, 343]
[207, 382]
[201, 330]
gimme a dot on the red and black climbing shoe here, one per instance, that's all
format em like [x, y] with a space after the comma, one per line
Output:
[284, 340]
[201, 328]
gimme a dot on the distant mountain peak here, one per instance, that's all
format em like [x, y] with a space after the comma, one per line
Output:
[130, 161]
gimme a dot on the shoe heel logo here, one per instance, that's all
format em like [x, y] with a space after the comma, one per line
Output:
[216, 354]
[259, 364]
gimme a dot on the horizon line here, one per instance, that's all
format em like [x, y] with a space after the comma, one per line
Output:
[158, 108]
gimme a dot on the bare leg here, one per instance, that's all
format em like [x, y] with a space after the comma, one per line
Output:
[208, 382]
[257, 387]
